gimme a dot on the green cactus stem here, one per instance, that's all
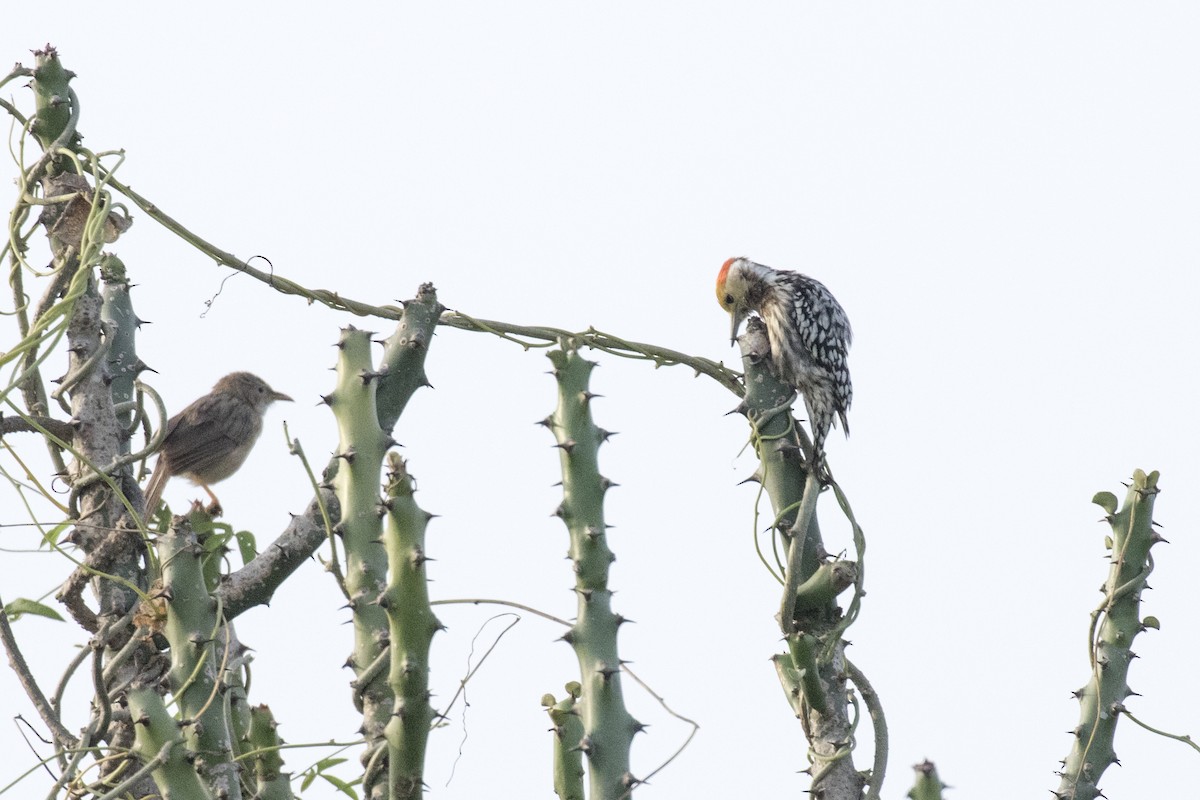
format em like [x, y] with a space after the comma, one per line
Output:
[928, 786]
[120, 324]
[608, 728]
[193, 631]
[1114, 625]
[568, 733]
[159, 743]
[412, 625]
[812, 672]
[270, 781]
[404, 355]
[55, 117]
[361, 448]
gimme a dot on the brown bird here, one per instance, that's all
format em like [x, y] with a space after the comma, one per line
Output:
[209, 440]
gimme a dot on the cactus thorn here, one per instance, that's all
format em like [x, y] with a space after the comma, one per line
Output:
[548, 422]
[568, 446]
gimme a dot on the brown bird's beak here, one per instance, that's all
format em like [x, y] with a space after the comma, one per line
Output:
[280, 396]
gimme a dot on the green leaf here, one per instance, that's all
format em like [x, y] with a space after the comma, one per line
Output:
[326, 763]
[309, 777]
[342, 786]
[1150, 622]
[1107, 501]
[247, 546]
[23, 605]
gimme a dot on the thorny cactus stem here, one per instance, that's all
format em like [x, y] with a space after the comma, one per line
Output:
[928, 786]
[361, 447]
[568, 732]
[812, 672]
[54, 121]
[160, 746]
[404, 355]
[193, 631]
[1114, 625]
[270, 781]
[411, 629]
[608, 728]
[122, 361]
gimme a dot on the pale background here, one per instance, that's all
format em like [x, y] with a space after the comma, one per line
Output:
[1004, 197]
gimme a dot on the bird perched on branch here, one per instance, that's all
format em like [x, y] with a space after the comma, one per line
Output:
[209, 440]
[808, 332]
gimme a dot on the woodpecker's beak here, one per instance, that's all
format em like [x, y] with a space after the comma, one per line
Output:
[735, 324]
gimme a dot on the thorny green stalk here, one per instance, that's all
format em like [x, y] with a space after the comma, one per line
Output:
[412, 625]
[1114, 625]
[362, 445]
[607, 725]
[812, 671]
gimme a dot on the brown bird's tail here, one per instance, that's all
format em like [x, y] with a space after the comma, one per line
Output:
[154, 488]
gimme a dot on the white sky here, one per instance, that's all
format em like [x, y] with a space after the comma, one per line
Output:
[1003, 196]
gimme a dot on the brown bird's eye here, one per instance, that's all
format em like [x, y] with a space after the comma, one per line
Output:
[728, 299]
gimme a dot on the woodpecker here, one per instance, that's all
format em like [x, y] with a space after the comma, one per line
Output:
[808, 332]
